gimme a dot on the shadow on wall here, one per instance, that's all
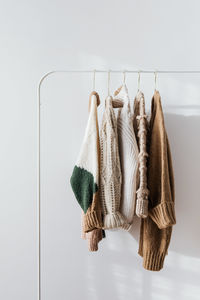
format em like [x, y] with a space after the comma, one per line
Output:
[185, 147]
[184, 136]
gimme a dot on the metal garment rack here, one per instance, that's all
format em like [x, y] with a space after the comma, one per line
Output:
[39, 240]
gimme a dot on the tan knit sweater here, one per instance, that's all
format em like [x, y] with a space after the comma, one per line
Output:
[156, 229]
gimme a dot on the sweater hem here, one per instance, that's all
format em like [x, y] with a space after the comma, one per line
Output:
[153, 261]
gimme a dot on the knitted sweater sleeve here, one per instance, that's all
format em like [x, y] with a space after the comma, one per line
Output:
[161, 179]
[93, 237]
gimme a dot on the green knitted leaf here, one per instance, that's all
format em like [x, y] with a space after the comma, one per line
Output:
[83, 186]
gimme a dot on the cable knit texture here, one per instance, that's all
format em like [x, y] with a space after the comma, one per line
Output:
[156, 229]
[111, 178]
[142, 192]
[85, 176]
[128, 151]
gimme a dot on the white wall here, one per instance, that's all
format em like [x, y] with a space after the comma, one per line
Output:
[37, 36]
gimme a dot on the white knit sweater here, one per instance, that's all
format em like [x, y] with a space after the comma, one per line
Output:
[85, 176]
[128, 151]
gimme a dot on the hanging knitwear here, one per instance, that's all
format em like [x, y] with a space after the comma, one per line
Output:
[85, 176]
[110, 171]
[128, 151]
[142, 192]
[156, 229]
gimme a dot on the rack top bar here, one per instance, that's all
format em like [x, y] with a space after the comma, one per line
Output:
[117, 71]
[127, 71]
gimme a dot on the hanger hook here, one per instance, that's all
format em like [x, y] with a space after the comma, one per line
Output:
[108, 82]
[124, 77]
[155, 78]
[138, 81]
[94, 78]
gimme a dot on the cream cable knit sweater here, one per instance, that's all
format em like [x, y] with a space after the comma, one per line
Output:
[128, 151]
[142, 192]
[110, 170]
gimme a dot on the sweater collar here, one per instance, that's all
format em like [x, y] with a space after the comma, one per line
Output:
[156, 107]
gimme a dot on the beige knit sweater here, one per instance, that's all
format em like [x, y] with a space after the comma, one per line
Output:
[110, 169]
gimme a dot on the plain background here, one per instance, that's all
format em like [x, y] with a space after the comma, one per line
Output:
[39, 36]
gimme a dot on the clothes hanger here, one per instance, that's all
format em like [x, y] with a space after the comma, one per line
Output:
[155, 79]
[108, 82]
[124, 83]
[139, 93]
[94, 78]
[94, 92]
[124, 77]
[138, 82]
[116, 102]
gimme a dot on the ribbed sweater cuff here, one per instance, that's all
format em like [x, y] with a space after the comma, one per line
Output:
[92, 221]
[153, 261]
[92, 246]
[163, 215]
[93, 239]
[113, 220]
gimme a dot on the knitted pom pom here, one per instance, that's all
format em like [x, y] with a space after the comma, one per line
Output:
[113, 220]
[142, 208]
